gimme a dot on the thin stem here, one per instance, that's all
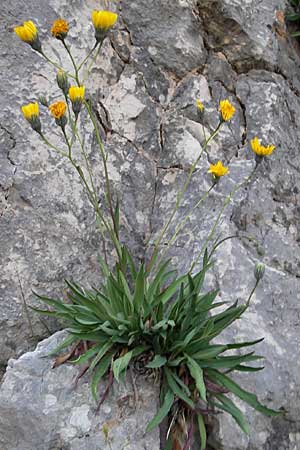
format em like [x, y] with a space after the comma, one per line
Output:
[185, 219]
[87, 57]
[53, 63]
[251, 293]
[179, 197]
[104, 160]
[226, 202]
[57, 150]
[73, 62]
[92, 62]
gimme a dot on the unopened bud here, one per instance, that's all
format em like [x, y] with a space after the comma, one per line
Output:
[43, 100]
[259, 271]
[62, 81]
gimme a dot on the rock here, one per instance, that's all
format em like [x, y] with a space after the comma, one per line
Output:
[40, 408]
[159, 59]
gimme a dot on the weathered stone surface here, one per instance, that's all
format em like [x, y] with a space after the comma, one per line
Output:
[162, 56]
[40, 409]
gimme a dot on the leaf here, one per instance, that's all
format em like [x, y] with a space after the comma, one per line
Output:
[228, 362]
[197, 373]
[244, 344]
[209, 352]
[99, 372]
[228, 406]
[202, 431]
[87, 355]
[162, 412]
[176, 389]
[105, 348]
[247, 397]
[157, 362]
[65, 343]
[121, 364]
[139, 291]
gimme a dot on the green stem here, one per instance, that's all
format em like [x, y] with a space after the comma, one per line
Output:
[226, 202]
[55, 64]
[185, 219]
[53, 147]
[179, 198]
[73, 62]
[92, 62]
[87, 56]
[104, 160]
[251, 293]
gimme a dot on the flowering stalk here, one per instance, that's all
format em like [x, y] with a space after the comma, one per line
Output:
[179, 198]
[104, 160]
[226, 202]
[185, 219]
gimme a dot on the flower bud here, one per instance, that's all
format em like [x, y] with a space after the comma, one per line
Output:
[62, 81]
[43, 100]
[259, 271]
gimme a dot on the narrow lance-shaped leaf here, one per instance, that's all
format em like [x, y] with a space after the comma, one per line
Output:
[197, 373]
[247, 397]
[121, 364]
[162, 412]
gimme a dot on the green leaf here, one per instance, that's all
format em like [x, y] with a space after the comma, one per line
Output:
[104, 349]
[99, 372]
[228, 362]
[244, 344]
[202, 431]
[247, 397]
[197, 373]
[139, 291]
[121, 364]
[176, 389]
[228, 406]
[87, 355]
[157, 362]
[165, 296]
[162, 412]
[210, 352]
[64, 344]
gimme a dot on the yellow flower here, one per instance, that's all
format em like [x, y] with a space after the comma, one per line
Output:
[259, 149]
[76, 95]
[218, 170]
[103, 21]
[27, 32]
[226, 109]
[60, 29]
[199, 105]
[31, 114]
[30, 111]
[58, 109]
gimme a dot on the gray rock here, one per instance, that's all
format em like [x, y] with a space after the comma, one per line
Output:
[40, 408]
[161, 57]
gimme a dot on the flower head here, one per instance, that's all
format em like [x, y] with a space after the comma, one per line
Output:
[76, 95]
[60, 29]
[103, 21]
[199, 105]
[29, 33]
[260, 150]
[226, 109]
[31, 114]
[58, 109]
[218, 170]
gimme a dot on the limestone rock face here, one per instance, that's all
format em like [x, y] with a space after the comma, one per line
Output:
[41, 410]
[159, 59]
